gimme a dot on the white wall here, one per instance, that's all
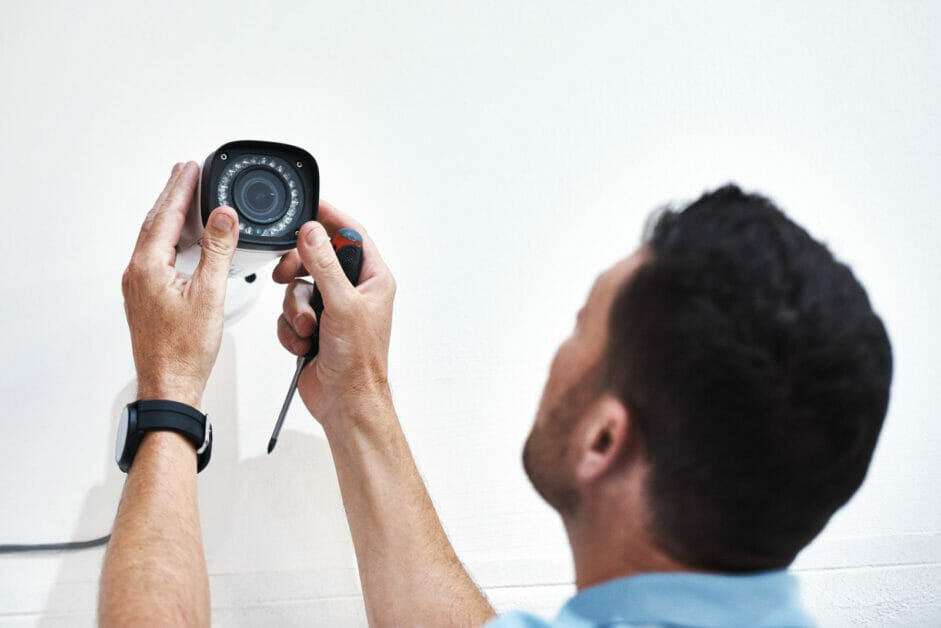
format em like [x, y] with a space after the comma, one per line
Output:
[482, 144]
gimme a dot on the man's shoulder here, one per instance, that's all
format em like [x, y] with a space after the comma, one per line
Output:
[677, 599]
[518, 619]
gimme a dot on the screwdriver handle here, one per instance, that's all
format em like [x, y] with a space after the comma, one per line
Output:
[348, 245]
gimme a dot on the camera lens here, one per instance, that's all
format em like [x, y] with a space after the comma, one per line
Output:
[265, 190]
[260, 195]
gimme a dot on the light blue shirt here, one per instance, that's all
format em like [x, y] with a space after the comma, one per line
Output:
[676, 600]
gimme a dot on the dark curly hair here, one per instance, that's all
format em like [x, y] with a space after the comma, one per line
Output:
[759, 376]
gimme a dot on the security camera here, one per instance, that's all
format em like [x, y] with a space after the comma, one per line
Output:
[274, 188]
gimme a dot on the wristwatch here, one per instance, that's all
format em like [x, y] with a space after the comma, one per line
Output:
[140, 417]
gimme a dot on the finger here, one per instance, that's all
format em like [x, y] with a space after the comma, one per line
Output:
[297, 310]
[290, 340]
[149, 218]
[289, 267]
[333, 220]
[315, 250]
[219, 241]
[160, 240]
[374, 268]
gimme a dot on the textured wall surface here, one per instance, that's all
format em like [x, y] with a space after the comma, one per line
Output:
[484, 144]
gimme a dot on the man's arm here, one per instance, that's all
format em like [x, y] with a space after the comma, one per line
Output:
[154, 572]
[409, 571]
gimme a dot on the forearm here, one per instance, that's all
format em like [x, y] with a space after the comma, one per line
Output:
[154, 571]
[409, 571]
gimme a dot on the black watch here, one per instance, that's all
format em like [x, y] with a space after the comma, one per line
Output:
[140, 417]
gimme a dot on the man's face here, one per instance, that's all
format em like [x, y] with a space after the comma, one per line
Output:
[573, 386]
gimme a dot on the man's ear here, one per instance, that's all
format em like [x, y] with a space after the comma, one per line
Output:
[605, 440]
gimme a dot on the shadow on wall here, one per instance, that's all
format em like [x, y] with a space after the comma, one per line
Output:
[274, 528]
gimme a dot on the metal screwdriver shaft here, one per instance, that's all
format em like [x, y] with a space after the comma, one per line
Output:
[301, 363]
[348, 245]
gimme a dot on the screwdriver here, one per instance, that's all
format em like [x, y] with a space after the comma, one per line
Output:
[348, 245]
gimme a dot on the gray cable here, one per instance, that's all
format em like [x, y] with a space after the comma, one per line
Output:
[51, 547]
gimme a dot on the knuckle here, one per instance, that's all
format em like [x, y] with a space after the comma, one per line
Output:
[218, 246]
[149, 218]
[292, 270]
[325, 257]
[286, 336]
[283, 333]
[141, 274]
[136, 269]
[149, 267]
[288, 296]
[289, 307]
[296, 293]
[280, 271]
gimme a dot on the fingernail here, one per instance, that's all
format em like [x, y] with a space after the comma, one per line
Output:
[298, 322]
[313, 235]
[222, 222]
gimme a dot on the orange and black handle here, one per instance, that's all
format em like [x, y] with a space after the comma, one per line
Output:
[348, 245]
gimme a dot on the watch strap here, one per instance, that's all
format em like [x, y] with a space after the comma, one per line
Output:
[154, 414]
[161, 414]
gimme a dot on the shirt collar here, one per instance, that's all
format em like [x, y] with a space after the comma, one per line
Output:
[691, 599]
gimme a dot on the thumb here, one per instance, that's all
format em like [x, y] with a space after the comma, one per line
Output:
[320, 260]
[219, 241]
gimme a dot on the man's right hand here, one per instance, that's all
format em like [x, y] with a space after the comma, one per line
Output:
[351, 367]
[409, 571]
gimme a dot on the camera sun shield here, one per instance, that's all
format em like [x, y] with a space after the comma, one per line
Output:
[274, 188]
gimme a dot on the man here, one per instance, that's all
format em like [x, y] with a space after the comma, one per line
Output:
[719, 398]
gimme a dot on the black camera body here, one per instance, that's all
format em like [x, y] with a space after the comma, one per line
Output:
[274, 188]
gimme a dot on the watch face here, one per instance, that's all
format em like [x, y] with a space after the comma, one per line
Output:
[121, 437]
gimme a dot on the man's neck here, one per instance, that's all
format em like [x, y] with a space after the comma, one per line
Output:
[608, 544]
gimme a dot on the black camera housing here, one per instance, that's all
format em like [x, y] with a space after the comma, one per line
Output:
[274, 188]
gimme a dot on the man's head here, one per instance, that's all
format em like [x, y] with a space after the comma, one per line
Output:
[735, 362]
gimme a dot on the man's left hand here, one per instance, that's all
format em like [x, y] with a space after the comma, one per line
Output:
[176, 321]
